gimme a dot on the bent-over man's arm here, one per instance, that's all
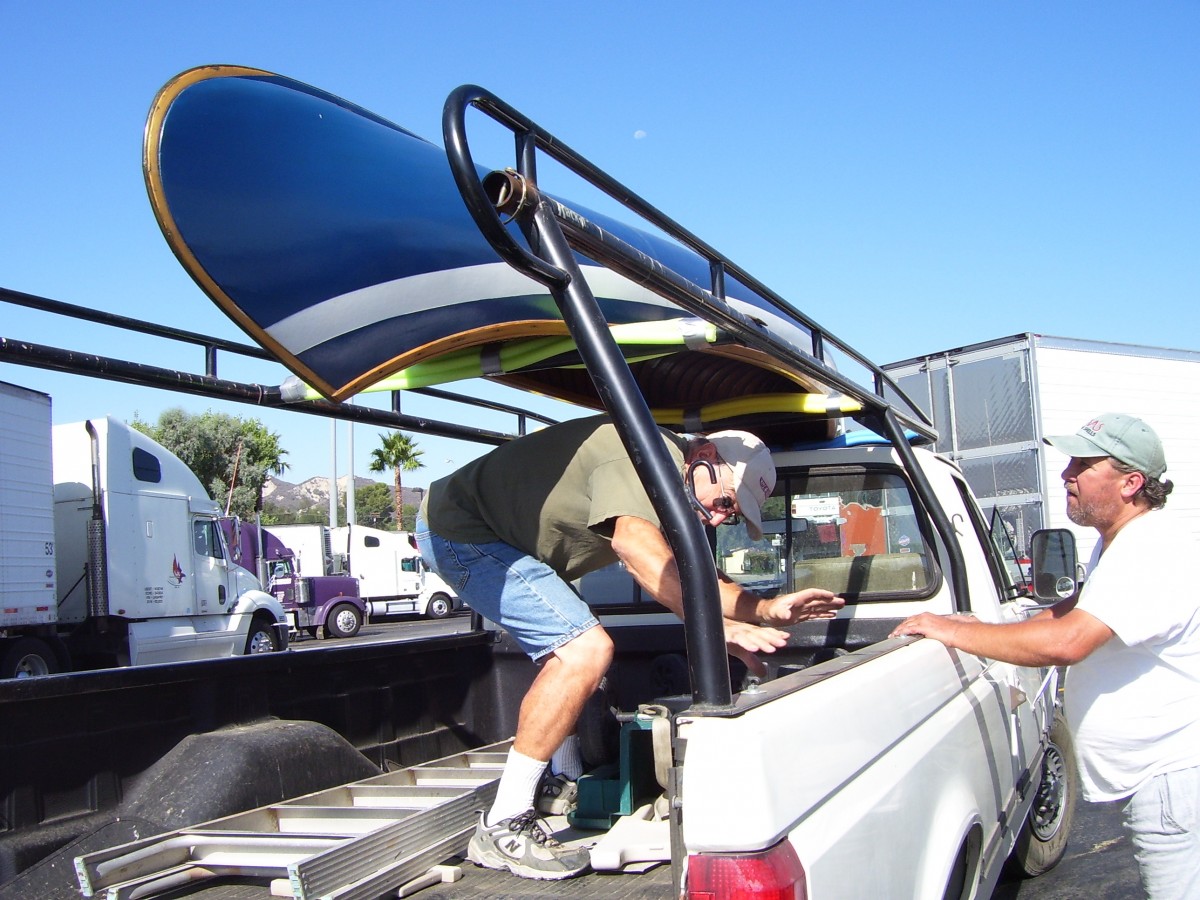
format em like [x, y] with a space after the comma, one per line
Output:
[647, 556]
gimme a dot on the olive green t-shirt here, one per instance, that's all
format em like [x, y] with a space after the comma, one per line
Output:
[552, 494]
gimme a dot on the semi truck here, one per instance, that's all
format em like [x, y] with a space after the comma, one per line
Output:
[316, 605]
[393, 580]
[110, 552]
[856, 765]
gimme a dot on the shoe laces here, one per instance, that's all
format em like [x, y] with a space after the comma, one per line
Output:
[527, 823]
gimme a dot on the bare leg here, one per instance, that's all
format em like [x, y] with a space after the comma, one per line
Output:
[569, 676]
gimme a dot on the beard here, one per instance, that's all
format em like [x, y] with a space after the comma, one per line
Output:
[1090, 514]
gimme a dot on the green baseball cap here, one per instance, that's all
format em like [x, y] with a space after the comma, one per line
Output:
[1122, 437]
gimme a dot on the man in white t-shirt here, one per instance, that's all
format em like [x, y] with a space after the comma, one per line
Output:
[1132, 639]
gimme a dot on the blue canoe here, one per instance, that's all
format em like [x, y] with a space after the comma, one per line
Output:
[339, 242]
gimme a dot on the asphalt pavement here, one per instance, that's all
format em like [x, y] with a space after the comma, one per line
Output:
[1098, 864]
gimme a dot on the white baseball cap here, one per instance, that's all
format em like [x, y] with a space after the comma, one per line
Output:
[753, 473]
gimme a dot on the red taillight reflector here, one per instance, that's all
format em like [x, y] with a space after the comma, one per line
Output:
[774, 874]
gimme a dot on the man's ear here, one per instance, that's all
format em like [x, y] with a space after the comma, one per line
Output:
[704, 449]
[1131, 484]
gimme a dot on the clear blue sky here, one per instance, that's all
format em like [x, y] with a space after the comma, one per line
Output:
[915, 176]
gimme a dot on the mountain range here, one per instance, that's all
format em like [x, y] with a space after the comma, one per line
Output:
[315, 492]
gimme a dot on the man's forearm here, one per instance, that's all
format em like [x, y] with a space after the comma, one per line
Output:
[1055, 637]
[737, 602]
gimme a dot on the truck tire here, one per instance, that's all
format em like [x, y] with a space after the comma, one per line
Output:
[439, 606]
[27, 657]
[262, 638]
[1043, 838]
[343, 621]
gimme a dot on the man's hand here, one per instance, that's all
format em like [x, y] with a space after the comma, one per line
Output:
[940, 628]
[810, 603]
[744, 641]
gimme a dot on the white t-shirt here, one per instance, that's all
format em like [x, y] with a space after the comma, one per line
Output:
[1134, 703]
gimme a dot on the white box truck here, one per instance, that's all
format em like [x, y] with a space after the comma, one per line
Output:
[110, 553]
[393, 580]
[993, 402]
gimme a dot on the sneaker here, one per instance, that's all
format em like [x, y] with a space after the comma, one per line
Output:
[557, 795]
[522, 846]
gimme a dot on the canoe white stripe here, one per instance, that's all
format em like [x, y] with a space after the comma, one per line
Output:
[340, 315]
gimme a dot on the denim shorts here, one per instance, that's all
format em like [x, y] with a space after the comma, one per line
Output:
[1163, 819]
[525, 597]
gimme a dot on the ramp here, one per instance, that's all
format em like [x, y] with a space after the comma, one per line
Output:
[352, 842]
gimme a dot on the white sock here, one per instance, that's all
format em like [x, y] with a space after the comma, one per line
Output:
[567, 760]
[518, 783]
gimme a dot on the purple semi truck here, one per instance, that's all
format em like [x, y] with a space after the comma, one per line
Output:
[319, 605]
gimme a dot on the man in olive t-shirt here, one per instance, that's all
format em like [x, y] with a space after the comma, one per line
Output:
[553, 494]
[509, 530]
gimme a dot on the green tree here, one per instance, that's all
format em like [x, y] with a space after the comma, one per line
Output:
[232, 457]
[373, 505]
[399, 453]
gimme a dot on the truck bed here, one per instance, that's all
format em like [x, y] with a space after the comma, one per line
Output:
[485, 884]
[396, 705]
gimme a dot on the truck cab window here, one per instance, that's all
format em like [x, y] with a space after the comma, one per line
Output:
[1004, 538]
[853, 531]
[204, 539]
[1005, 577]
[146, 466]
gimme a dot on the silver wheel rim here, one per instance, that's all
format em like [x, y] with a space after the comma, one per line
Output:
[1049, 804]
[261, 643]
[31, 666]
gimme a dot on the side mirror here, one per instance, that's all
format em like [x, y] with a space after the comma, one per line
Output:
[1054, 564]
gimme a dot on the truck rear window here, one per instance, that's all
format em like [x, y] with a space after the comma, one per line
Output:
[850, 530]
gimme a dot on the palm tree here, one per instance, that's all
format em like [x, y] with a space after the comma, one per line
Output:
[398, 453]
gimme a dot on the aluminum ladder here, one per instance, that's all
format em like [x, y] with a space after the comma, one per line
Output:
[357, 841]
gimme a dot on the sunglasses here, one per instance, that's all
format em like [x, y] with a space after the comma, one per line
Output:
[723, 504]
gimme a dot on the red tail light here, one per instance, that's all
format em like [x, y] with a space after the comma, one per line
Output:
[774, 874]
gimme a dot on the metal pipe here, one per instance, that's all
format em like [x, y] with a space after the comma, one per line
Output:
[41, 356]
[453, 130]
[622, 398]
[507, 190]
[97, 537]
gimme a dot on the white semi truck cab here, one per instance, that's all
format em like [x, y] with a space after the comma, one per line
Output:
[141, 571]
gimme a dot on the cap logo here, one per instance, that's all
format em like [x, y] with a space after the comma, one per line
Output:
[762, 486]
[1093, 427]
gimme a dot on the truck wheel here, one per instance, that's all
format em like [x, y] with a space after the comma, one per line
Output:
[1043, 838]
[439, 606]
[28, 657]
[262, 638]
[343, 621]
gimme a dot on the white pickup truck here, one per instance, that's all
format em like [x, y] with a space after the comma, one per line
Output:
[862, 766]
[901, 769]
